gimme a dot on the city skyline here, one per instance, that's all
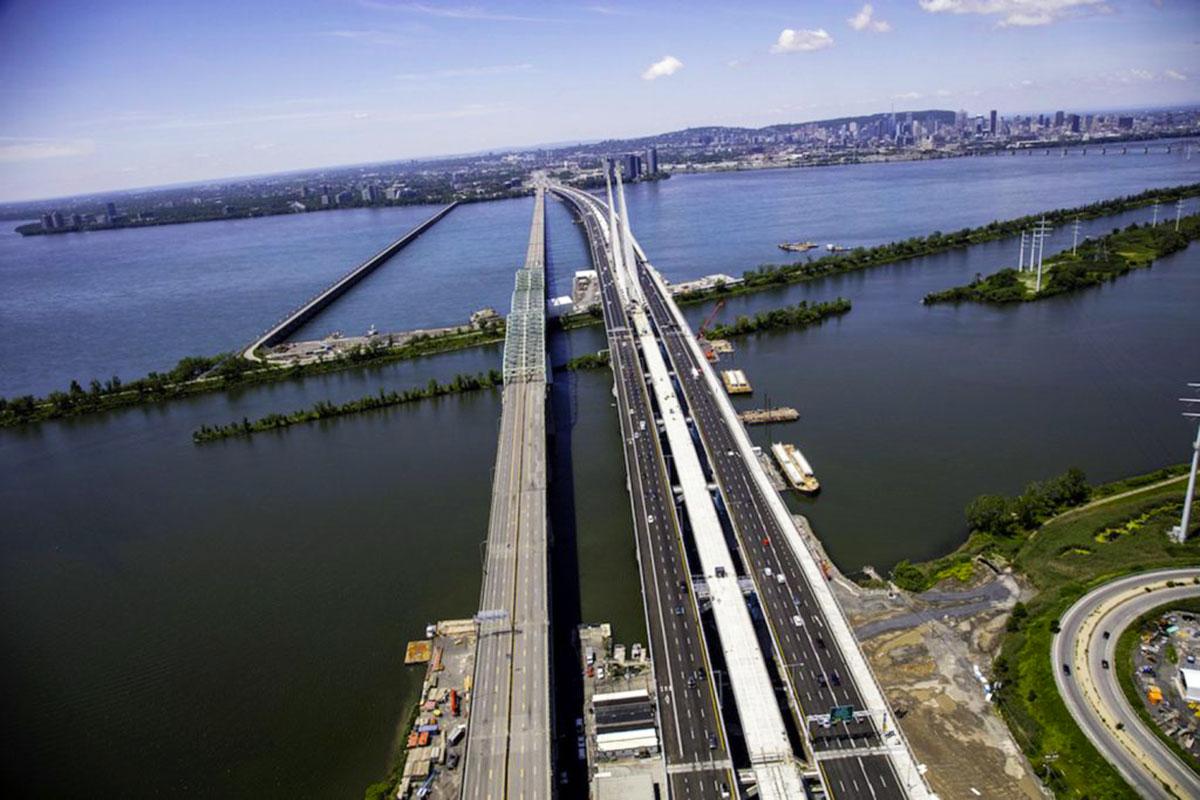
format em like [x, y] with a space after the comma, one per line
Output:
[227, 91]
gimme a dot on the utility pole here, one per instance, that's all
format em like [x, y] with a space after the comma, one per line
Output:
[1155, 213]
[1178, 212]
[1179, 534]
[1021, 257]
[1041, 251]
[1075, 241]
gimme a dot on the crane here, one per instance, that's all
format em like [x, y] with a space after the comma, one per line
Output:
[700, 338]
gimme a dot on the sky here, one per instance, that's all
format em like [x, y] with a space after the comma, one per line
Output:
[120, 94]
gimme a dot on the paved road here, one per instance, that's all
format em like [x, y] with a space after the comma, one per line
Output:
[1092, 693]
[508, 741]
[810, 658]
[861, 776]
[687, 708]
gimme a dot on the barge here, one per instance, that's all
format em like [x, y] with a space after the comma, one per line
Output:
[796, 469]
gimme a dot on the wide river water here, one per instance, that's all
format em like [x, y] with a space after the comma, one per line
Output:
[229, 620]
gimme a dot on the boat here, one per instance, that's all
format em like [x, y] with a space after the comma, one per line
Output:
[836, 248]
[796, 469]
[371, 331]
[797, 247]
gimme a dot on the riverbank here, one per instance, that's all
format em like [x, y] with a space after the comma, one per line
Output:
[201, 374]
[769, 276]
[283, 209]
[326, 410]
[1059, 559]
[1096, 261]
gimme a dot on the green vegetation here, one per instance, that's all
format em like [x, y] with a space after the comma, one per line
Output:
[800, 315]
[1062, 560]
[1124, 667]
[770, 276]
[326, 410]
[588, 361]
[1095, 262]
[998, 526]
[199, 374]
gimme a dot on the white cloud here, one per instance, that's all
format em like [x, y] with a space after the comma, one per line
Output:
[864, 20]
[464, 72]
[1019, 13]
[943, 92]
[14, 149]
[667, 65]
[1174, 75]
[802, 41]
[907, 96]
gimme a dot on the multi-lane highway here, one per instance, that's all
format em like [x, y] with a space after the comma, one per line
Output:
[1092, 693]
[690, 723]
[808, 632]
[508, 741]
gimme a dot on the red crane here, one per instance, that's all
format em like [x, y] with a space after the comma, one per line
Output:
[720, 304]
[709, 353]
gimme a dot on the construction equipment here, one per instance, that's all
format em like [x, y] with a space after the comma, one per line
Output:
[701, 339]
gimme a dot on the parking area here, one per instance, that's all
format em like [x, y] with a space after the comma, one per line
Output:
[1167, 675]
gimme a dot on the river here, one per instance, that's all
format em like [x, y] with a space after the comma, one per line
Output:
[229, 620]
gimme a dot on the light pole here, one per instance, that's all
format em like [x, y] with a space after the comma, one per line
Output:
[1179, 534]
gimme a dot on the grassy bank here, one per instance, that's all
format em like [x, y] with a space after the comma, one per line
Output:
[801, 315]
[770, 276]
[1096, 261]
[199, 374]
[1123, 665]
[326, 410]
[1063, 555]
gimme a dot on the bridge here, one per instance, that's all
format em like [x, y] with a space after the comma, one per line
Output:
[289, 324]
[508, 742]
[720, 480]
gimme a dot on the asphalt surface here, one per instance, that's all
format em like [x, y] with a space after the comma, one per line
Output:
[1092, 693]
[865, 776]
[688, 714]
[809, 657]
[508, 739]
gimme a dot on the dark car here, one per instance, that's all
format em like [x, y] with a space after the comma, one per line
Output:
[1066, 669]
[1104, 663]
[712, 741]
[837, 679]
[679, 611]
[1106, 634]
[452, 761]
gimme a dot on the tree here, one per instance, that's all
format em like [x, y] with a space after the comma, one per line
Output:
[990, 513]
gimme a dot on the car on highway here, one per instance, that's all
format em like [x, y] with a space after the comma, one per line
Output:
[679, 611]
[712, 741]
[1066, 669]
[1104, 663]
[797, 621]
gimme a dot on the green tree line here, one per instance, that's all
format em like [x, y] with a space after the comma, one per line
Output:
[326, 410]
[800, 315]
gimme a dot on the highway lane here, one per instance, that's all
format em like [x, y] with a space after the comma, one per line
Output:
[818, 676]
[861, 776]
[508, 739]
[1092, 693]
[688, 713]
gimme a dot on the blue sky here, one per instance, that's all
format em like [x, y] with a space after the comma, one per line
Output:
[116, 94]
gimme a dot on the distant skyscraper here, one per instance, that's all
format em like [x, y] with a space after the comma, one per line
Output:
[633, 166]
[1073, 119]
[652, 160]
[371, 193]
[1058, 119]
[1125, 123]
[994, 129]
[111, 210]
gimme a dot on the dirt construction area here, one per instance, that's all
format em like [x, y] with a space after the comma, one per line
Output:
[932, 654]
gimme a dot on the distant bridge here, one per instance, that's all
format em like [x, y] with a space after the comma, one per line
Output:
[292, 322]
